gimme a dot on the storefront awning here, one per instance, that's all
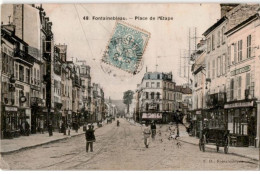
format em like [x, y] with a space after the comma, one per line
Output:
[152, 116]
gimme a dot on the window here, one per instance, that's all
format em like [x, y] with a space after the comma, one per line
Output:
[213, 42]
[240, 50]
[239, 82]
[232, 89]
[235, 53]
[147, 84]
[158, 84]
[152, 95]
[248, 50]
[27, 101]
[21, 73]
[38, 77]
[218, 39]
[213, 69]
[16, 71]
[209, 69]
[229, 56]
[224, 64]
[27, 78]
[147, 106]
[158, 95]
[223, 34]
[208, 45]
[16, 97]
[218, 66]
[158, 76]
[147, 95]
[34, 75]
[152, 85]
[148, 76]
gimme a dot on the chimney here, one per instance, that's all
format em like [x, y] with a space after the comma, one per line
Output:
[225, 8]
[18, 17]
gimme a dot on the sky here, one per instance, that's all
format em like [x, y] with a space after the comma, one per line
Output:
[87, 39]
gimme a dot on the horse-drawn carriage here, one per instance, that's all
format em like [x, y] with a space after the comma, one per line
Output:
[219, 137]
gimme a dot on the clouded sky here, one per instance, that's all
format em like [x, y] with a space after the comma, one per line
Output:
[87, 39]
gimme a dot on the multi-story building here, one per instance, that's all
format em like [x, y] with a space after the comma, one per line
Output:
[198, 91]
[242, 107]
[86, 90]
[231, 72]
[15, 78]
[98, 103]
[66, 87]
[156, 101]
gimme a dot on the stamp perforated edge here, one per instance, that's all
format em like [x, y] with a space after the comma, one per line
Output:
[111, 36]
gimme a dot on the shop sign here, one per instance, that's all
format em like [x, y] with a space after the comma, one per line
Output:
[198, 112]
[35, 87]
[240, 70]
[10, 108]
[237, 105]
[19, 86]
[152, 115]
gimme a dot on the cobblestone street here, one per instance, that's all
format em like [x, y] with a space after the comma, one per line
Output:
[122, 148]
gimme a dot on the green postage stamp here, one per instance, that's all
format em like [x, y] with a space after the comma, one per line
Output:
[126, 47]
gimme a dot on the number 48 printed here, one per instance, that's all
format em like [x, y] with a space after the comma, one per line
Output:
[85, 17]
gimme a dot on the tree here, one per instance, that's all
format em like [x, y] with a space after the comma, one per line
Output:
[128, 96]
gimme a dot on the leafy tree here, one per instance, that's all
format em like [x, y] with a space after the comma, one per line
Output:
[128, 97]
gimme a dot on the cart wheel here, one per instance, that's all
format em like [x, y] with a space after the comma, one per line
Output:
[217, 148]
[226, 149]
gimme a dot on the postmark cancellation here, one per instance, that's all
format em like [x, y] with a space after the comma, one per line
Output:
[126, 47]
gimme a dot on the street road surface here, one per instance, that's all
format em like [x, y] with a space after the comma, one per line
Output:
[122, 148]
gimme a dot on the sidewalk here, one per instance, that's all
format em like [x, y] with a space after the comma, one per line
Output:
[34, 140]
[248, 152]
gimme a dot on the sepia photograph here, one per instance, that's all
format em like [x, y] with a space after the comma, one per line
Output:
[130, 86]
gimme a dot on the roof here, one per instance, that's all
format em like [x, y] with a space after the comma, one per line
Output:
[242, 23]
[219, 22]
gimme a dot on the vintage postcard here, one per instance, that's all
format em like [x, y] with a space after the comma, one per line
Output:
[130, 86]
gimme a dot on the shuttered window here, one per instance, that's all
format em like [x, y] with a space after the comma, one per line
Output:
[249, 49]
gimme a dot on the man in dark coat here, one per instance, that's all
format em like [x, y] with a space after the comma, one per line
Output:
[90, 137]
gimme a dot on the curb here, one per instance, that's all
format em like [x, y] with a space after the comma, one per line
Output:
[236, 154]
[37, 145]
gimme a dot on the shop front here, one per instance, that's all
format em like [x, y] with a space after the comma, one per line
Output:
[10, 122]
[242, 120]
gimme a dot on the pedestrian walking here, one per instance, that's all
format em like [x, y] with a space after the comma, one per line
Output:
[90, 138]
[153, 128]
[50, 129]
[147, 134]
[60, 126]
[42, 126]
[76, 127]
[27, 128]
[69, 130]
[63, 127]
